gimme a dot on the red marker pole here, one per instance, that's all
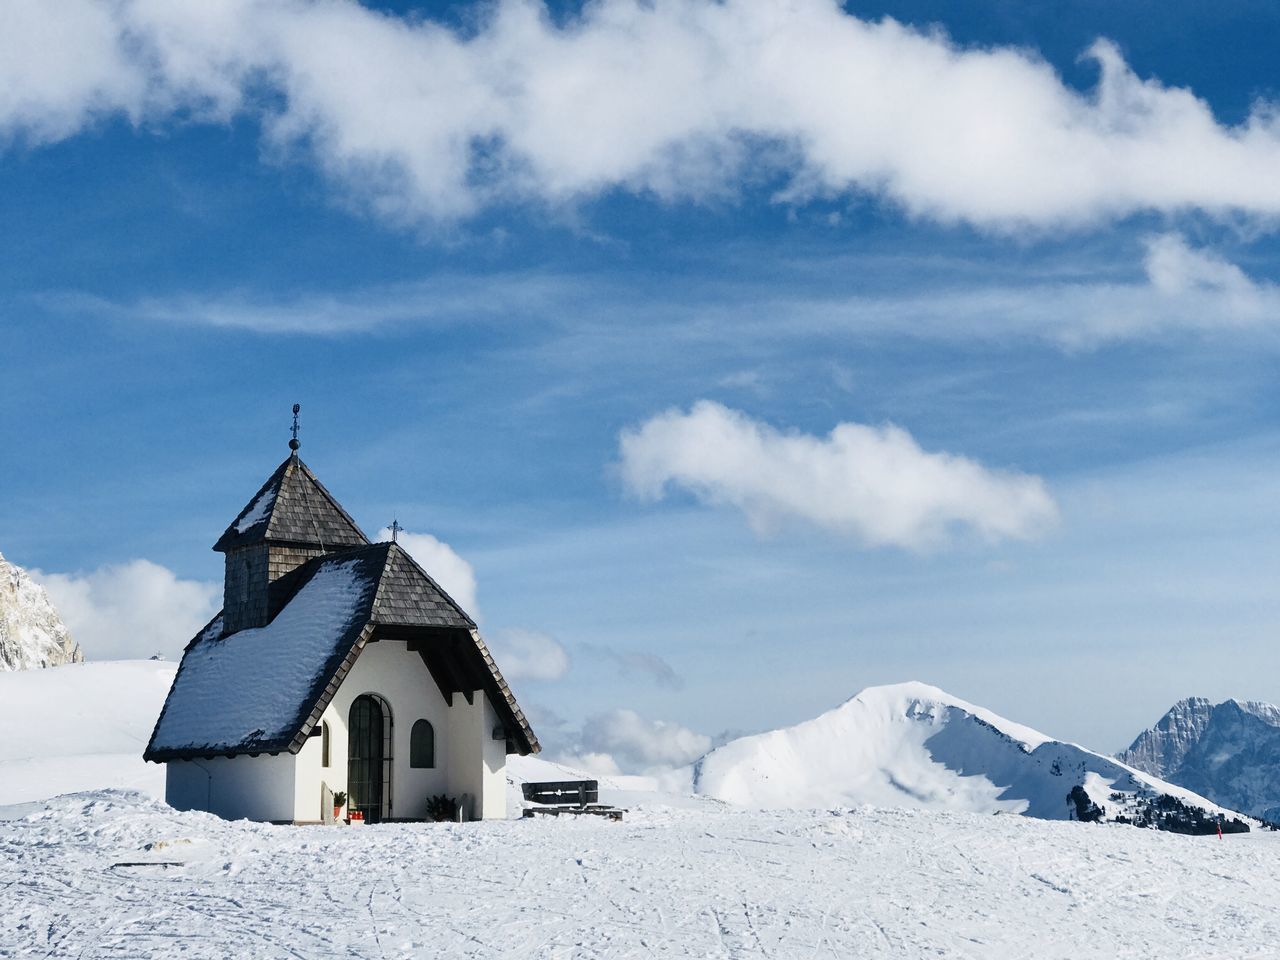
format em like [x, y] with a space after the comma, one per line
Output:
[1219, 829]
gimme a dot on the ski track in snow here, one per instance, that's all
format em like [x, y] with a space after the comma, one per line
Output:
[705, 882]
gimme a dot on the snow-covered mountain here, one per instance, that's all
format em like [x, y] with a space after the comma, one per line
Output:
[1229, 752]
[31, 632]
[913, 745]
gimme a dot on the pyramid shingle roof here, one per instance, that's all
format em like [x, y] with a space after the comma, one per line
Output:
[293, 507]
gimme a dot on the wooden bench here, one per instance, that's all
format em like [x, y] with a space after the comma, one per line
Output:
[567, 796]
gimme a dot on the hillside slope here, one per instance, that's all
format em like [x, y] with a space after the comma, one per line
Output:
[80, 727]
[1228, 752]
[913, 745]
[31, 632]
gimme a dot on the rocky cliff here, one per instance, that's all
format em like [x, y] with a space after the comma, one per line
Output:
[1228, 752]
[31, 632]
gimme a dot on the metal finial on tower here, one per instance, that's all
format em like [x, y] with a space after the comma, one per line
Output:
[294, 443]
[395, 531]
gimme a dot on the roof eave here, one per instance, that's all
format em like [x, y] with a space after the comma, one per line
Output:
[209, 752]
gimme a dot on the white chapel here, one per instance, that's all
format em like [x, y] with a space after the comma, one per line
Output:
[336, 666]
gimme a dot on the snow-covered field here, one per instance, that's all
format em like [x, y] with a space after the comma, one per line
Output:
[116, 873]
[80, 726]
[705, 882]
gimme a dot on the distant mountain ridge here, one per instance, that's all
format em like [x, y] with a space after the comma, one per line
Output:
[914, 745]
[32, 635]
[1229, 752]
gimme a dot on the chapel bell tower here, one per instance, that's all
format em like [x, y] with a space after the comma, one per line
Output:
[290, 520]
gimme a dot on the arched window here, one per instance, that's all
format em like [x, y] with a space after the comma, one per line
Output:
[422, 745]
[324, 743]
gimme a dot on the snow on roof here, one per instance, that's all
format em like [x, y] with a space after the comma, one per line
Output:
[259, 511]
[293, 506]
[248, 688]
[254, 691]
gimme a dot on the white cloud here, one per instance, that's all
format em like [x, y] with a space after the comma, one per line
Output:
[1181, 291]
[1186, 290]
[872, 483]
[455, 576]
[1174, 268]
[597, 764]
[528, 655]
[131, 610]
[677, 98]
[63, 63]
[624, 741]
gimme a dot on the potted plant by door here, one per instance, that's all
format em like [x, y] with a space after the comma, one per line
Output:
[339, 801]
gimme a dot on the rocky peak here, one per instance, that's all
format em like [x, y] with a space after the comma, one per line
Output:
[1267, 712]
[1161, 749]
[1228, 752]
[31, 632]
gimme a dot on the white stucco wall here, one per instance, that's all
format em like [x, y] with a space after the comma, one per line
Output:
[387, 668]
[468, 761]
[309, 775]
[494, 805]
[256, 788]
[480, 771]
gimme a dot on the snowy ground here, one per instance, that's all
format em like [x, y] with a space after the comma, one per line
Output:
[710, 881]
[80, 726]
[118, 874]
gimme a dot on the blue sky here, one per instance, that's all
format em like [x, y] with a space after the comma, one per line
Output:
[1061, 272]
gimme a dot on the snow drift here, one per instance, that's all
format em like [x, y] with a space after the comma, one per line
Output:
[913, 745]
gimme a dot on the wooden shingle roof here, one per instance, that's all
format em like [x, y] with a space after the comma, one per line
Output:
[293, 507]
[401, 601]
[408, 596]
[251, 692]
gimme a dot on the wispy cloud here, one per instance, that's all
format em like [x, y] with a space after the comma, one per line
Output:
[644, 663]
[678, 99]
[1173, 290]
[874, 484]
[439, 301]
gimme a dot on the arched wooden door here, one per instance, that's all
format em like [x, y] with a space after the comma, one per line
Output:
[366, 743]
